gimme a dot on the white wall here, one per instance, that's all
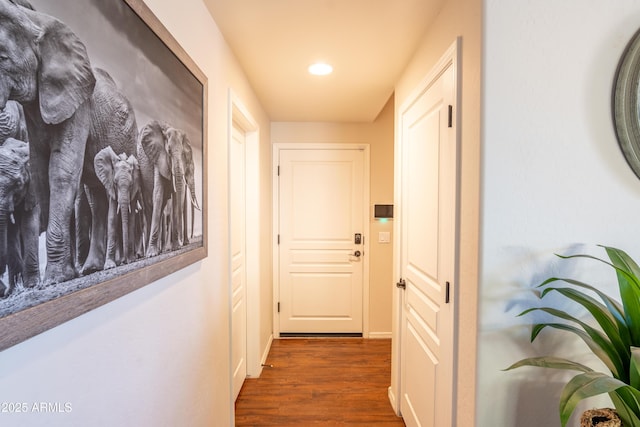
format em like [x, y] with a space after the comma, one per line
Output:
[554, 180]
[158, 356]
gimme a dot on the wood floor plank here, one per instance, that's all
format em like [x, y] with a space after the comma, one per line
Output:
[320, 382]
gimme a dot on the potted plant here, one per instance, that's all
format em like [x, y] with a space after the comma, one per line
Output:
[615, 340]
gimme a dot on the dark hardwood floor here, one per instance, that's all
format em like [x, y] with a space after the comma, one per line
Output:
[322, 382]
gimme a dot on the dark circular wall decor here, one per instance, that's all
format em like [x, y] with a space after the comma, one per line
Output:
[626, 113]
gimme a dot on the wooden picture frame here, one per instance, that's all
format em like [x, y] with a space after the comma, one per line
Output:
[163, 84]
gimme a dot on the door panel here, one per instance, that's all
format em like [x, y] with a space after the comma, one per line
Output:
[428, 236]
[238, 262]
[418, 405]
[314, 294]
[321, 208]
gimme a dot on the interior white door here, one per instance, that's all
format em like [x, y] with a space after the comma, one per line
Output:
[237, 191]
[321, 214]
[428, 254]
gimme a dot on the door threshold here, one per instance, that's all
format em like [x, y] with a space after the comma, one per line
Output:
[320, 334]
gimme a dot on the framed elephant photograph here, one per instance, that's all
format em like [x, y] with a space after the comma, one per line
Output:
[102, 158]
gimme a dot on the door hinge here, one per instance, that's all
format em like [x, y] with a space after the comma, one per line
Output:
[450, 116]
[401, 284]
[278, 306]
[279, 166]
[447, 293]
[278, 239]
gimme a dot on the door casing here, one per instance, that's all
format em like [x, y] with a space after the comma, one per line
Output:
[237, 254]
[276, 216]
[451, 57]
[240, 115]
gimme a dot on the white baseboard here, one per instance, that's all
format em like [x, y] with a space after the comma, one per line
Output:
[267, 349]
[380, 335]
[263, 359]
[392, 400]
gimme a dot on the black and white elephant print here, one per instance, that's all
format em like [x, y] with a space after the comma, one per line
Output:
[72, 111]
[120, 175]
[167, 168]
[12, 122]
[19, 222]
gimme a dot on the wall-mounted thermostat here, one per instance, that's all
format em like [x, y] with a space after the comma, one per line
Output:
[383, 211]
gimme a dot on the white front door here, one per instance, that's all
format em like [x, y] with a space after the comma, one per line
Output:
[237, 191]
[428, 205]
[321, 230]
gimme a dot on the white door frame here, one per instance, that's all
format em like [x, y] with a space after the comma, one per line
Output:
[450, 58]
[276, 216]
[239, 114]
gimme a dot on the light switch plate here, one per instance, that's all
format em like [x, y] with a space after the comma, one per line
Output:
[384, 237]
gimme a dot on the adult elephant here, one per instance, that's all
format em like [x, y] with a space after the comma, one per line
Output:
[112, 124]
[167, 168]
[120, 176]
[191, 201]
[19, 218]
[71, 112]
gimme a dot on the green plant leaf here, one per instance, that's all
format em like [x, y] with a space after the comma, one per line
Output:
[582, 386]
[626, 404]
[595, 348]
[634, 368]
[604, 318]
[613, 306]
[621, 259]
[550, 362]
[599, 339]
[628, 274]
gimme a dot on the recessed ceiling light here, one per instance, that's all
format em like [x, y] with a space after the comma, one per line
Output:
[320, 69]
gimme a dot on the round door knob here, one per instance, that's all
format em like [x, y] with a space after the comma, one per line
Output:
[357, 253]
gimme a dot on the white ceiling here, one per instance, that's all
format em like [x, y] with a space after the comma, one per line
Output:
[368, 42]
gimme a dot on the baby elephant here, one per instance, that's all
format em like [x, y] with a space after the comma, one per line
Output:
[19, 218]
[120, 176]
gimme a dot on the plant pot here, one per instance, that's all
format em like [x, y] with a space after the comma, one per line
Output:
[604, 417]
